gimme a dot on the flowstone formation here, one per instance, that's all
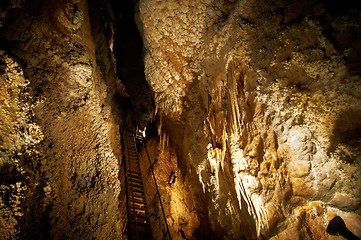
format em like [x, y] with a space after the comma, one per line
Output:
[260, 102]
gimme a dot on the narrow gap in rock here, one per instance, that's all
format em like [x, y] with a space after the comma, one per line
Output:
[128, 51]
[139, 109]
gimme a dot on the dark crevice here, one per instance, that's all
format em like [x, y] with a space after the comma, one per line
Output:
[128, 50]
[115, 20]
[4, 4]
[341, 7]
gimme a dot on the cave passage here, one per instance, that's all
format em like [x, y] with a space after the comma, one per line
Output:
[256, 133]
[128, 52]
[138, 220]
[140, 224]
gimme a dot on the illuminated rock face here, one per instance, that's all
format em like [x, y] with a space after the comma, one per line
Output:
[59, 150]
[260, 101]
[257, 106]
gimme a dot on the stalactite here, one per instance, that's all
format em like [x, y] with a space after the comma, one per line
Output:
[163, 136]
[244, 182]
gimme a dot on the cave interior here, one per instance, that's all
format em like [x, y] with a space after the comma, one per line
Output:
[144, 119]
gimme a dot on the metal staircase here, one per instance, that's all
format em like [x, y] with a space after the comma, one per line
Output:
[138, 220]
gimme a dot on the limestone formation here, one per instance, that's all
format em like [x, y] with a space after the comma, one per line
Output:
[261, 102]
[252, 111]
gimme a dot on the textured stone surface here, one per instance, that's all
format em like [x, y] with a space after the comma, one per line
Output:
[174, 193]
[60, 156]
[261, 102]
[18, 137]
[257, 106]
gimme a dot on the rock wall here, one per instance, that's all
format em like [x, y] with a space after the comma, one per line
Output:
[60, 154]
[173, 202]
[260, 102]
[257, 108]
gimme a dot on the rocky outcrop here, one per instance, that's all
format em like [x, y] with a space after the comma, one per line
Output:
[260, 101]
[60, 156]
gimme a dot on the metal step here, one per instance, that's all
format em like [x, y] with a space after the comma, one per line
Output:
[135, 184]
[137, 211]
[134, 180]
